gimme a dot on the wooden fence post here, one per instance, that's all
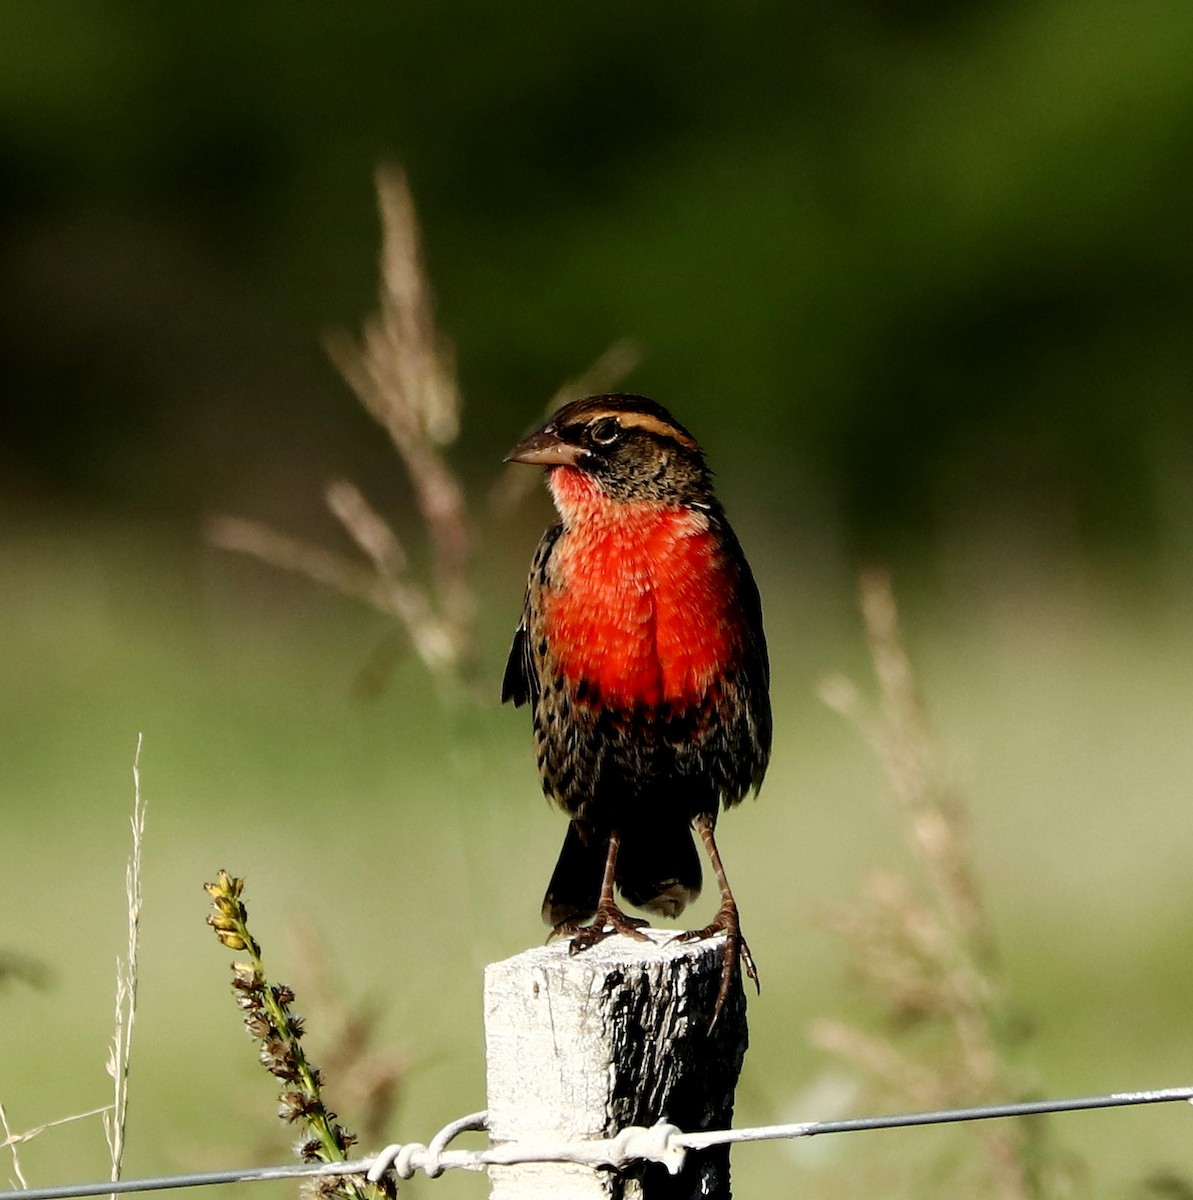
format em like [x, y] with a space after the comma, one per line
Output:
[579, 1047]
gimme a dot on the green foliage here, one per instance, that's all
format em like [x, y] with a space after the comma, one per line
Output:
[916, 259]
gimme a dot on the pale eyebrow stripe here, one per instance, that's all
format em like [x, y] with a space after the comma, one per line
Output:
[645, 421]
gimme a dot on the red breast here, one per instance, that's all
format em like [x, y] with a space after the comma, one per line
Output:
[643, 600]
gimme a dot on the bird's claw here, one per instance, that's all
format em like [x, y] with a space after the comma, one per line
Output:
[727, 922]
[605, 923]
[564, 929]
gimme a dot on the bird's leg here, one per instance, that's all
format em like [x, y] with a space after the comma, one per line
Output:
[726, 921]
[608, 919]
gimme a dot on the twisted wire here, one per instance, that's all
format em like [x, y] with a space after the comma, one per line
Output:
[662, 1143]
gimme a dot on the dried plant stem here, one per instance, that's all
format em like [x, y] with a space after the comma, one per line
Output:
[936, 819]
[388, 594]
[13, 1140]
[930, 957]
[403, 373]
[120, 1054]
[938, 834]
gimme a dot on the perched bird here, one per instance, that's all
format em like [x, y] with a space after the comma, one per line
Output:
[642, 656]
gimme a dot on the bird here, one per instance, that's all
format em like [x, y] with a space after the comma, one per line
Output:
[641, 654]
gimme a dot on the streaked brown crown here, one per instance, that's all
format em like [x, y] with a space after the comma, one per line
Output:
[628, 411]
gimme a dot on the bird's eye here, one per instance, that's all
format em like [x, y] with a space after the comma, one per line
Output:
[605, 432]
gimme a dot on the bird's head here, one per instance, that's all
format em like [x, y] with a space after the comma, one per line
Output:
[628, 447]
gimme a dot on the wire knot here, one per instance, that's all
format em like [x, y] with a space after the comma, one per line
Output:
[654, 1143]
[405, 1160]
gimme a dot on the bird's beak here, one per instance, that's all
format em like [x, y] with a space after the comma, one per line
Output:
[545, 448]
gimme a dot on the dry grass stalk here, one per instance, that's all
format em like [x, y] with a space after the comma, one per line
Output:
[928, 952]
[12, 1140]
[402, 372]
[120, 1053]
[394, 596]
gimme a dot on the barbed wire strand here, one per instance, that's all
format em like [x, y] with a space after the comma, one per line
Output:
[661, 1143]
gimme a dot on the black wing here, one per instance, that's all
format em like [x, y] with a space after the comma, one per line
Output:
[756, 669]
[756, 662]
[520, 682]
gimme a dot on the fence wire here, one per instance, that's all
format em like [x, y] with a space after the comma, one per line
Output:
[662, 1143]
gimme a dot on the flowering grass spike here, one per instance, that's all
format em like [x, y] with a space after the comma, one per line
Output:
[278, 1031]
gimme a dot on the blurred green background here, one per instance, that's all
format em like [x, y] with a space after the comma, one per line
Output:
[919, 275]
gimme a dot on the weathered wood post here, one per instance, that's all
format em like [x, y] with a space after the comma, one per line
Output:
[583, 1046]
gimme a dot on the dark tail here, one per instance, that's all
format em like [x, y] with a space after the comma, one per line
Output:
[575, 885]
[658, 869]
